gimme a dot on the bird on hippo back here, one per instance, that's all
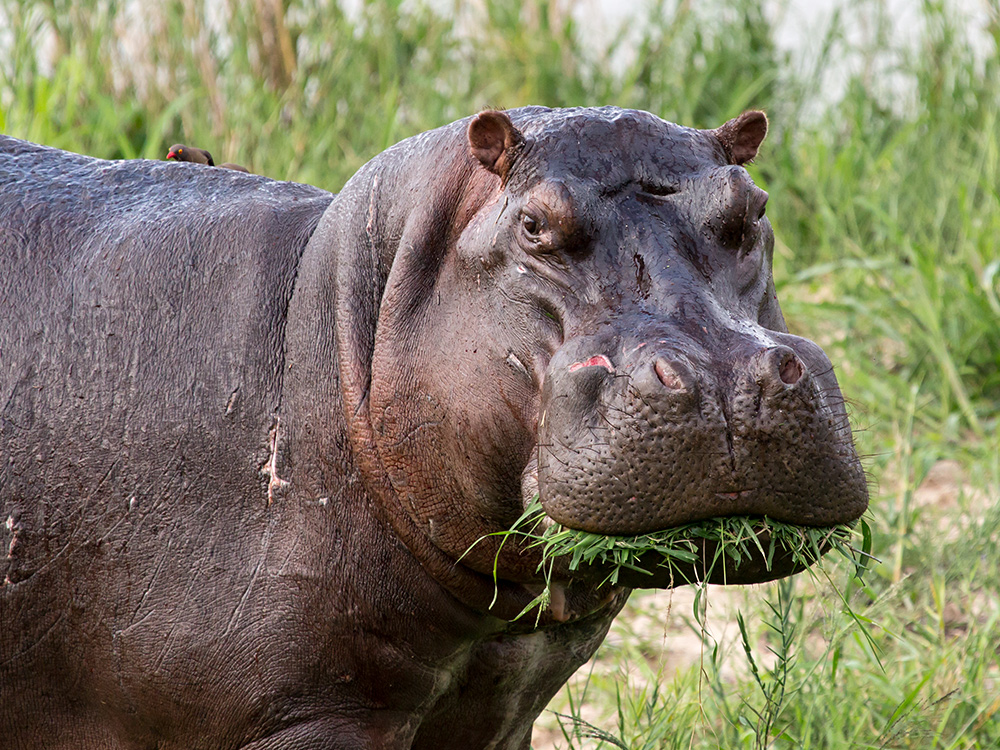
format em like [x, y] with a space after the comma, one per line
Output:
[180, 152]
[254, 464]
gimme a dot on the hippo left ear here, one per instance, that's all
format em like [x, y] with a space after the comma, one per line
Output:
[742, 136]
[494, 141]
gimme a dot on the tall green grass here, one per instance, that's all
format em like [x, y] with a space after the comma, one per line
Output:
[128, 84]
[885, 197]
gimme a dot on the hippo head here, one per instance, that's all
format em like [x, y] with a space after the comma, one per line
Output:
[581, 307]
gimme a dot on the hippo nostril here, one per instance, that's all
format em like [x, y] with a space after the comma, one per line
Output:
[777, 369]
[790, 369]
[668, 375]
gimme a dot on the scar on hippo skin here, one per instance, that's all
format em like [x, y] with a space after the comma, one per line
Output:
[270, 469]
[13, 539]
[19, 565]
[234, 398]
[370, 224]
[517, 364]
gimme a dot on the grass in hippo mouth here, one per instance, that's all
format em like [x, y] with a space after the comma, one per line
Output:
[735, 540]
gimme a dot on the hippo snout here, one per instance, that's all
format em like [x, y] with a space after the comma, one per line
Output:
[667, 432]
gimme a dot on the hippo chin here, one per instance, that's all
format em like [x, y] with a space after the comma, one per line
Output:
[255, 438]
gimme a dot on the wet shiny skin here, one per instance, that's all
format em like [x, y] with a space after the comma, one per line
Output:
[244, 454]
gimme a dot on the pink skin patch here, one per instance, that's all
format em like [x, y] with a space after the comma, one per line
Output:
[626, 354]
[596, 361]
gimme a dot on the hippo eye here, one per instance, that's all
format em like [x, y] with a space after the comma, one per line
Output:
[656, 190]
[532, 225]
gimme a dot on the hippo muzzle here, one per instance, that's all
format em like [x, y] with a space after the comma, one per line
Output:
[646, 433]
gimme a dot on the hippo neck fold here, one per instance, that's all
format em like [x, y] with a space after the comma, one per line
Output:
[334, 316]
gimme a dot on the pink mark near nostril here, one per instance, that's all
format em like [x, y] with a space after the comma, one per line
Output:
[626, 354]
[598, 360]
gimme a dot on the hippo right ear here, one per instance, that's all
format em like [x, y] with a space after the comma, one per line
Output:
[494, 141]
[742, 136]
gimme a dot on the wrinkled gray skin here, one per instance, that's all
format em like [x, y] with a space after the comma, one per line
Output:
[248, 428]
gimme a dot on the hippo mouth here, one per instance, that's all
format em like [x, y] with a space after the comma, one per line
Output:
[730, 550]
[723, 549]
[726, 550]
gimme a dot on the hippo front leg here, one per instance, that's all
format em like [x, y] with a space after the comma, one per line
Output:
[509, 680]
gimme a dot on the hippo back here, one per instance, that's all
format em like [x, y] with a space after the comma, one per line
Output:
[130, 254]
[141, 340]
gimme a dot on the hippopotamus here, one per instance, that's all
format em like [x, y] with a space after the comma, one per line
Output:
[257, 440]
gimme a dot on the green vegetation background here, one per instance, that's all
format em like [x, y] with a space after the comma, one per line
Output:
[885, 198]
